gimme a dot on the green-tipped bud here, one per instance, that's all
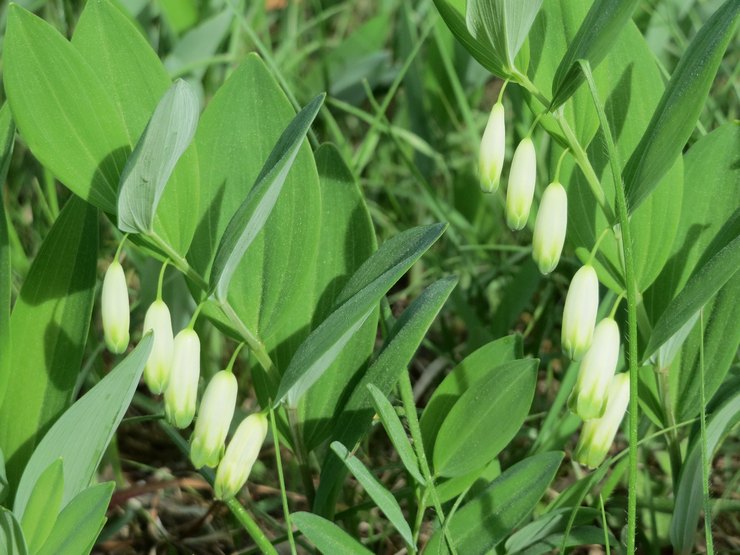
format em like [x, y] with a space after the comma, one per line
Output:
[597, 435]
[588, 399]
[115, 309]
[182, 390]
[214, 418]
[159, 365]
[579, 315]
[492, 150]
[240, 456]
[549, 228]
[521, 184]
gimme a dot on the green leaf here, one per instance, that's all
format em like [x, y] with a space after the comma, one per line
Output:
[347, 239]
[7, 138]
[485, 418]
[81, 436]
[148, 169]
[688, 504]
[194, 50]
[250, 218]
[381, 496]
[402, 342]
[11, 535]
[543, 527]
[682, 102]
[502, 24]
[63, 111]
[594, 40]
[358, 300]
[48, 330]
[470, 371]
[327, 536]
[703, 285]
[396, 433]
[136, 80]
[3, 478]
[486, 520]
[78, 525]
[38, 519]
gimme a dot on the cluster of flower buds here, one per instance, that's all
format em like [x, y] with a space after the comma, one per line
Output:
[552, 217]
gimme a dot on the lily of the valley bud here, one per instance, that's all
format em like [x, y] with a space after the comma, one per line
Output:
[588, 399]
[579, 315]
[240, 456]
[597, 435]
[159, 364]
[550, 227]
[214, 418]
[181, 394]
[115, 308]
[521, 184]
[493, 149]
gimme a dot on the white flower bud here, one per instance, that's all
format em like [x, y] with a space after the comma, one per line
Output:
[159, 364]
[214, 418]
[588, 399]
[240, 456]
[549, 228]
[597, 435]
[522, 179]
[181, 394]
[493, 149]
[115, 308]
[579, 315]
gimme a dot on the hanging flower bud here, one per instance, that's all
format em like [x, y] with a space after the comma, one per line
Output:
[588, 399]
[115, 309]
[159, 364]
[214, 418]
[579, 315]
[493, 149]
[240, 456]
[182, 390]
[549, 228]
[597, 435]
[521, 184]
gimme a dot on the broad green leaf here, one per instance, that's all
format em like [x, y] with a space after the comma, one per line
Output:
[477, 480]
[48, 331]
[683, 100]
[194, 49]
[63, 110]
[396, 432]
[486, 520]
[547, 524]
[701, 287]
[327, 536]
[7, 136]
[359, 298]
[382, 497]
[485, 418]
[180, 15]
[580, 536]
[402, 342]
[3, 478]
[135, 80]
[148, 169]
[81, 436]
[78, 525]
[347, 239]
[688, 504]
[43, 506]
[11, 535]
[594, 40]
[251, 216]
[470, 371]
[502, 24]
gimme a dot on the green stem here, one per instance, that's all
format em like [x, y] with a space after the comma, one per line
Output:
[160, 281]
[283, 493]
[409, 407]
[705, 459]
[631, 285]
[251, 527]
[178, 261]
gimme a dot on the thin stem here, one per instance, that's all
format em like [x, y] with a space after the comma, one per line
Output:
[560, 163]
[251, 527]
[705, 460]
[616, 305]
[604, 525]
[232, 360]
[501, 92]
[160, 281]
[631, 285]
[595, 248]
[178, 261]
[120, 246]
[195, 315]
[283, 493]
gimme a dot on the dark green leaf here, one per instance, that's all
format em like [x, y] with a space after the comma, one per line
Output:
[7, 136]
[682, 102]
[485, 418]
[327, 536]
